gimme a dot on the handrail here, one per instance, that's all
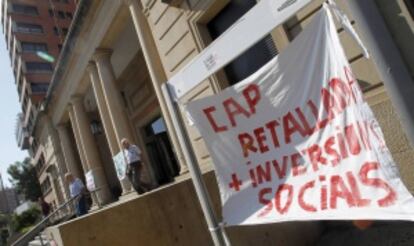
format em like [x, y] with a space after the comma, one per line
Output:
[27, 237]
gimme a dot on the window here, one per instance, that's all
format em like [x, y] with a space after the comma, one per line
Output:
[64, 31]
[33, 147]
[40, 164]
[51, 13]
[69, 15]
[33, 47]
[61, 15]
[25, 9]
[29, 28]
[252, 59]
[56, 31]
[39, 67]
[45, 186]
[60, 47]
[410, 7]
[39, 88]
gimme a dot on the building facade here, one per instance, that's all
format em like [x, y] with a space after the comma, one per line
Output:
[35, 32]
[8, 198]
[107, 86]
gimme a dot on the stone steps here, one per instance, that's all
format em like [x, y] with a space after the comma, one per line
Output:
[380, 234]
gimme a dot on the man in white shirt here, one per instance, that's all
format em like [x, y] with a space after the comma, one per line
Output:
[77, 189]
[134, 166]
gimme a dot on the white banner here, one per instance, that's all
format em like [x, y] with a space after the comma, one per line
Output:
[296, 141]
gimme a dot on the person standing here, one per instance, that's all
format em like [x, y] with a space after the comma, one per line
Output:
[134, 166]
[77, 190]
[44, 206]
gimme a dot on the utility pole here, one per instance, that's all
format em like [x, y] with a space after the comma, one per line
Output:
[388, 61]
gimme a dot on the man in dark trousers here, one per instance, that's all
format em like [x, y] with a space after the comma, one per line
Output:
[77, 189]
[134, 166]
[44, 206]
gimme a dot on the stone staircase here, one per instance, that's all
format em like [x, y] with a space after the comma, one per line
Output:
[380, 234]
[40, 241]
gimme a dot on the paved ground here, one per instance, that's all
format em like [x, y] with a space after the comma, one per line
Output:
[380, 234]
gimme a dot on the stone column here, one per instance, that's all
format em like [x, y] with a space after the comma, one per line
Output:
[114, 103]
[60, 162]
[54, 182]
[112, 96]
[156, 71]
[91, 154]
[75, 128]
[103, 109]
[106, 117]
[68, 151]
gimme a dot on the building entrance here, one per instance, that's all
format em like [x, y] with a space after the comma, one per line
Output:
[159, 148]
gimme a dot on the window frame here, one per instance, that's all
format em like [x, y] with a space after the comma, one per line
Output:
[198, 26]
[39, 84]
[29, 27]
[56, 30]
[61, 15]
[30, 67]
[409, 4]
[35, 45]
[24, 8]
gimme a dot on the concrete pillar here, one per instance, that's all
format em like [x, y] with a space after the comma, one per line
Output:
[68, 151]
[114, 102]
[103, 109]
[78, 141]
[54, 182]
[60, 161]
[112, 96]
[156, 71]
[106, 118]
[91, 154]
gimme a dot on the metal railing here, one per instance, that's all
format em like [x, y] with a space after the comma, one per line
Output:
[39, 227]
[48, 221]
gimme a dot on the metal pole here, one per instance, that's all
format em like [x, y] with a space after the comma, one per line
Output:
[388, 60]
[217, 232]
[41, 239]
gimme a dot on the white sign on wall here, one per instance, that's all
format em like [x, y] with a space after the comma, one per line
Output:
[90, 180]
[296, 140]
[120, 165]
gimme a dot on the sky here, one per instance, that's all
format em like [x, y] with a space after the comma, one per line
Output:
[9, 108]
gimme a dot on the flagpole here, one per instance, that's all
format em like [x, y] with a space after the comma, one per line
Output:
[387, 58]
[217, 232]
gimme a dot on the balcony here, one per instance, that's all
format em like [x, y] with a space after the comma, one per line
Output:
[22, 134]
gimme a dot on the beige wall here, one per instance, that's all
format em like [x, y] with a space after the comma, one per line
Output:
[401, 26]
[172, 216]
[47, 147]
[180, 34]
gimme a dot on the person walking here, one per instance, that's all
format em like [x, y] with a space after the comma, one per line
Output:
[44, 206]
[134, 166]
[77, 189]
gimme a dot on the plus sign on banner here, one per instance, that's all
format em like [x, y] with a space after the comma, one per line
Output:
[296, 141]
